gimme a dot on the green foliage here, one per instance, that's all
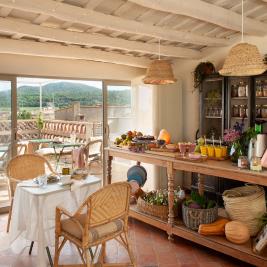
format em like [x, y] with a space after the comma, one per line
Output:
[202, 201]
[160, 197]
[64, 94]
[24, 115]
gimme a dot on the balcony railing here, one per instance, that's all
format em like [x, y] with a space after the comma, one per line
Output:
[27, 129]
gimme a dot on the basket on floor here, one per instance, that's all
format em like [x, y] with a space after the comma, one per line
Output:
[192, 218]
[160, 211]
[246, 204]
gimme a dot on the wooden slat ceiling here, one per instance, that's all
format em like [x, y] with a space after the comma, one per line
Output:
[125, 31]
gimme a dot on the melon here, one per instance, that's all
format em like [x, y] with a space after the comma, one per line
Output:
[237, 232]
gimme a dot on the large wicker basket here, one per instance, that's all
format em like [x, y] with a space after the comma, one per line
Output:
[246, 204]
[160, 211]
[192, 218]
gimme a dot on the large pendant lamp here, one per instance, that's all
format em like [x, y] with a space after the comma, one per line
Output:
[243, 59]
[159, 72]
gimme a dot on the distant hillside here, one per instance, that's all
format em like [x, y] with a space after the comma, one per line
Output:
[63, 94]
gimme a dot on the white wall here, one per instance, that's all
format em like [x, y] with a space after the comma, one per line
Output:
[65, 68]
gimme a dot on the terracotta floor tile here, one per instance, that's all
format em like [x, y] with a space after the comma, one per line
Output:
[149, 245]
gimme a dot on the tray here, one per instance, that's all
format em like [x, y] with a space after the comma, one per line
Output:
[186, 158]
[166, 154]
[164, 149]
[218, 159]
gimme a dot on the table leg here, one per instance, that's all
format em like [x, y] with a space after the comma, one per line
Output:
[109, 169]
[170, 174]
[201, 185]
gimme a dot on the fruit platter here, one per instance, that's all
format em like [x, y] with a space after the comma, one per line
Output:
[135, 141]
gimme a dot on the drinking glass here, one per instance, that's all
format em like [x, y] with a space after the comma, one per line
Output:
[182, 148]
[42, 180]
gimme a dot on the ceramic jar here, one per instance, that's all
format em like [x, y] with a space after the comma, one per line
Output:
[241, 89]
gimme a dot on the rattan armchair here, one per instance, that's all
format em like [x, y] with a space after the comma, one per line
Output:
[94, 152]
[23, 167]
[103, 216]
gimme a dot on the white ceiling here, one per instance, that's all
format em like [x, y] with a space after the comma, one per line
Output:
[125, 32]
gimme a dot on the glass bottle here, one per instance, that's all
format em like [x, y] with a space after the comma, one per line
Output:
[264, 111]
[258, 111]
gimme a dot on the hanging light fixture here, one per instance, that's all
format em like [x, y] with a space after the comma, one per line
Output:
[244, 59]
[159, 72]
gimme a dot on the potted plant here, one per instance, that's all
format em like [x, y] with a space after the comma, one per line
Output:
[201, 71]
[155, 203]
[198, 210]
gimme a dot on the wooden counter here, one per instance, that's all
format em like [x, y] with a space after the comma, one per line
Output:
[223, 169]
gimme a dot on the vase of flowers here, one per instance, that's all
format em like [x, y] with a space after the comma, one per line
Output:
[238, 140]
[232, 138]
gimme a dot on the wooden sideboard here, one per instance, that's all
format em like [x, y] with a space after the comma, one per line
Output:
[172, 226]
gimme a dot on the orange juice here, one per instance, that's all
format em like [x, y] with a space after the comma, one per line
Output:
[218, 152]
[211, 151]
[224, 151]
[203, 150]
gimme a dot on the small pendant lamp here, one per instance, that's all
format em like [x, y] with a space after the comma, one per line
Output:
[244, 59]
[159, 72]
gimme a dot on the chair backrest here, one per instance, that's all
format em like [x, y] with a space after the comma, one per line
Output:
[26, 166]
[94, 147]
[109, 203]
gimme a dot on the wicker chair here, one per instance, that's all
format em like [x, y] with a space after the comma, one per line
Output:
[94, 152]
[103, 216]
[23, 167]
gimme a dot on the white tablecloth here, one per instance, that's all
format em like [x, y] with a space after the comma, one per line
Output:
[33, 215]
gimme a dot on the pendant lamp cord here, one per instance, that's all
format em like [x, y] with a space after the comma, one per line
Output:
[242, 31]
[159, 49]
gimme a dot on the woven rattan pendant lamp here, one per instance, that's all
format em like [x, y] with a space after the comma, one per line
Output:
[159, 72]
[244, 59]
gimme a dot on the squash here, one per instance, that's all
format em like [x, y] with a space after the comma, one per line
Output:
[237, 232]
[215, 228]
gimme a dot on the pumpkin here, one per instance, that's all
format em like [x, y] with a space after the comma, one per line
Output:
[164, 135]
[237, 232]
[215, 228]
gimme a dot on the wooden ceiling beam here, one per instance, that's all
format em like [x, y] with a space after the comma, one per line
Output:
[31, 48]
[17, 27]
[205, 11]
[88, 17]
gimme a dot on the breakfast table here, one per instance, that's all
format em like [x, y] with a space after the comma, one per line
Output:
[33, 213]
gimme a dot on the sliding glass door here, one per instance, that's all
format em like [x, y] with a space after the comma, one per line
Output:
[8, 127]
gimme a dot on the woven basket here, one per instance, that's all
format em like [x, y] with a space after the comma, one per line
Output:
[155, 210]
[192, 218]
[246, 204]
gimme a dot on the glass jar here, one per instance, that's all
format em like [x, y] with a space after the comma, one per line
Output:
[242, 162]
[264, 111]
[258, 88]
[241, 89]
[234, 90]
[235, 111]
[264, 89]
[258, 111]
[242, 111]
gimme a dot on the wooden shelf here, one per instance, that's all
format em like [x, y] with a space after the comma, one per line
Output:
[238, 118]
[239, 98]
[213, 117]
[215, 98]
[223, 169]
[261, 97]
[218, 243]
